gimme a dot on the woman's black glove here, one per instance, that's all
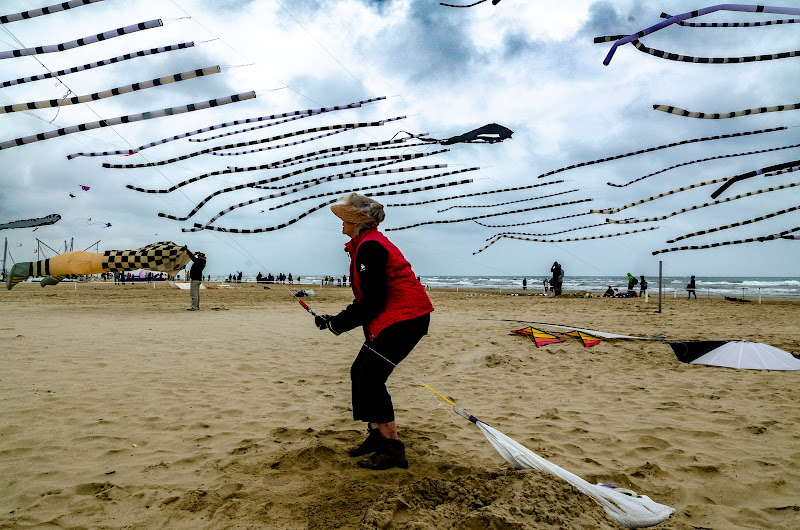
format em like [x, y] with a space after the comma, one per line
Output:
[324, 322]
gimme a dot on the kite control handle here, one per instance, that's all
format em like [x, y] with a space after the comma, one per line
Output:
[305, 306]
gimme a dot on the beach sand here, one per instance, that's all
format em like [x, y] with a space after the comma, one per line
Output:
[120, 409]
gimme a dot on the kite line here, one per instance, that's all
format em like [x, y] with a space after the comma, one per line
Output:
[660, 147]
[198, 227]
[134, 87]
[770, 237]
[734, 225]
[476, 194]
[342, 127]
[131, 118]
[91, 39]
[722, 116]
[49, 10]
[693, 14]
[536, 240]
[444, 221]
[698, 206]
[120, 58]
[703, 160]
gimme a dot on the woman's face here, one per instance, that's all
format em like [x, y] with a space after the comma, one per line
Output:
[350, 229]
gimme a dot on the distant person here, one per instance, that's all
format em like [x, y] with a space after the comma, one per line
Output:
[196, 277]
[558, 278]
[642, 285]
[690, 289]
[524, 284]
[394, 311]
[609, 292]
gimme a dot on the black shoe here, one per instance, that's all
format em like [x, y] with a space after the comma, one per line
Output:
[393, 454]
[373, 443]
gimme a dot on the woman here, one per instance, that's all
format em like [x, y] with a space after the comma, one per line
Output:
[394, 310]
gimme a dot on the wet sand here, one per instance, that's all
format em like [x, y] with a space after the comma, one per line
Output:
[122, 409]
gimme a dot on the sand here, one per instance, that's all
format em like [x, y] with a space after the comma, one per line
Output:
[120, 409]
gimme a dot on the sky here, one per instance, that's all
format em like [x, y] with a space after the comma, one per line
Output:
[529, 65]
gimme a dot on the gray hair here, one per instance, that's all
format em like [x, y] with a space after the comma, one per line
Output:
[359, 209]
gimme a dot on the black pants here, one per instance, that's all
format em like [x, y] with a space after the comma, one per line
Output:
[374, 364]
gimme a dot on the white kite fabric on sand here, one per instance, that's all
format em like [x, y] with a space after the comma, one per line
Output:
[49, 10]
[202, 105]
[743, 355]
[91, 39]
[104, 62]
[118, 91]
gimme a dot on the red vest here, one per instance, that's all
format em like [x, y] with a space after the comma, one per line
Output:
[406, 299]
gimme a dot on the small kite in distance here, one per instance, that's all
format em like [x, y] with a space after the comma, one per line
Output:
[84, 188]
[489, 134]
[494, 3]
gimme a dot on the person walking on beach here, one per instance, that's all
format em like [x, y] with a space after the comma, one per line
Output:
[558, 278]
[524, 284]
[642, 285]
[690, 288]
[196, 276]
[392, 307]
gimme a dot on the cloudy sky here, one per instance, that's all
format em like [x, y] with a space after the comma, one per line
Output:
[529, 65]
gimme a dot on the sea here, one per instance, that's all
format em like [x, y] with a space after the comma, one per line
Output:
[735, 287]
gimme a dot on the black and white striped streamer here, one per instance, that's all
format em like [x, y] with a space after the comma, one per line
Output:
[698, 206]
[281, 146]
[134, 87]
[428, 177]
[198, 227]
[494, 2]
[306, 186]
[725, 115]
[537, 240]
[770, 237]
[476, 194]
[660, 147]
[91, 39]
[734, 225]
[49, 10]
[712, 60]
[548, 233]
[509, 202]
[534, 222]
[608, 211]
[298, 114]
[393, 158]
[750, 174]
[703, 160]
[184, 135]
[344, 126]
[131, 118]
[104, 62]
[271, 165]
[445, 221]
[328, 156]
[733, 24]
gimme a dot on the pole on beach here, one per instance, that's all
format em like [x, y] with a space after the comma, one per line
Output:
[660, 263]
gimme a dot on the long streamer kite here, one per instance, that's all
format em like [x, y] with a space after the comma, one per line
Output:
[697, 13]
[534, 222]
[393, 158]
[131, 118]
[704, 205]
[734, 225]
[494, 3]
[773, 149]
[725, 115]
[118, 91]
[113, 60]
[660, 147]
[547, 234]
[661, 54]
[214, 127]
[537, 240]
[445, 221]
[91, 39]
[49, 10]
[271, 165]
[198, 227]
[366, 173]
[476, 194]
[609, 211]
[508, 202]
[28, 223]
[732, 24]
[770, 237]
[344, 126]
[750, 174]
